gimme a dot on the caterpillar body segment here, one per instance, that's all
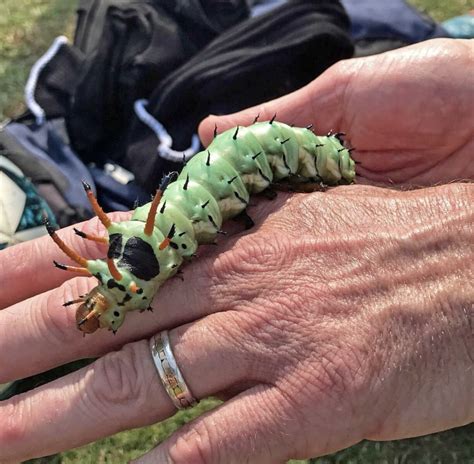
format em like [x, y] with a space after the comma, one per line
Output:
[215, 185]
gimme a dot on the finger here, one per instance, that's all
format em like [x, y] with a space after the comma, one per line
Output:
[27, 268]
[119, 391]
[39, 333]
[319, 103]
[45, 333]
[251, 428]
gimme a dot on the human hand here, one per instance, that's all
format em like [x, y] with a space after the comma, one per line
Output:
[341, 316]
[409, 113]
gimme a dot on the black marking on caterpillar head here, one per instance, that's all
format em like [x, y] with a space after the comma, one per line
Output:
[126, 298]
[284, 141]
[181, 234]
[235, 133]
[162, 210]
[205, 204]
[285, 162]
[341, 149]
[273, 119]
[139, 258]
[111, 283]
[185, 186]
[258, 154]
[174, 245]
[115, 246]
[208, 161]
[319, 145]
[232, 180]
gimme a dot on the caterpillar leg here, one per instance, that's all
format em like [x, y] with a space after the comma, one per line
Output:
[269, 193]
[244, 218]
[93, 238]
[300, 187]
[104, 219]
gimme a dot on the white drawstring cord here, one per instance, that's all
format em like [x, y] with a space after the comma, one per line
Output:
[32, 82]
[166, 141]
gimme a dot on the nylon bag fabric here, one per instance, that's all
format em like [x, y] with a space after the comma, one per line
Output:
[129, 47]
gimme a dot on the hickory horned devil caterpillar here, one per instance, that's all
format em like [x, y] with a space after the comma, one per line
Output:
[188, 210]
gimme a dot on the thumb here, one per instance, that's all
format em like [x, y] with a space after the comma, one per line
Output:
[244, 429]
[319, 103]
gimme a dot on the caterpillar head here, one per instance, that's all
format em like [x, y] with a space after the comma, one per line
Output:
[88, 314]
[106, 308]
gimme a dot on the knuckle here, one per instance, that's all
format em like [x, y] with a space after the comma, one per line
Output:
[192, 444]
[119, 382]
[254, 256]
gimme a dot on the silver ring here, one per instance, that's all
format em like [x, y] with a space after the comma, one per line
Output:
[169, 373]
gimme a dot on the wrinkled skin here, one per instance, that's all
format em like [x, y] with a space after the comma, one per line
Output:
[340, 316]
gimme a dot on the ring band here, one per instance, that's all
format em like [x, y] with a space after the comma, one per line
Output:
[169, 373]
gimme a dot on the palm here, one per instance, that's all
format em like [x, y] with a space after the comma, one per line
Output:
[409, 113]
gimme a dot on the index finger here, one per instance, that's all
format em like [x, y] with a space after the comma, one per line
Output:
[27, 269]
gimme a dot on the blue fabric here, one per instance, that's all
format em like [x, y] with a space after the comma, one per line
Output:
[45, 144]
[115, 196]
[390, 19]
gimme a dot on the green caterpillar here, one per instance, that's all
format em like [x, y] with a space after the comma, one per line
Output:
[189, 210]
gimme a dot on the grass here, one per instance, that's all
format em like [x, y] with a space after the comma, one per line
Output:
[27, 28]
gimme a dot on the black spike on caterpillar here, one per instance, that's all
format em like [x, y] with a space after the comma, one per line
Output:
[189, 209]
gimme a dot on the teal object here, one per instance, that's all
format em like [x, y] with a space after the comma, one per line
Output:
[189, 210]
[22, 209]
[460, 27]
